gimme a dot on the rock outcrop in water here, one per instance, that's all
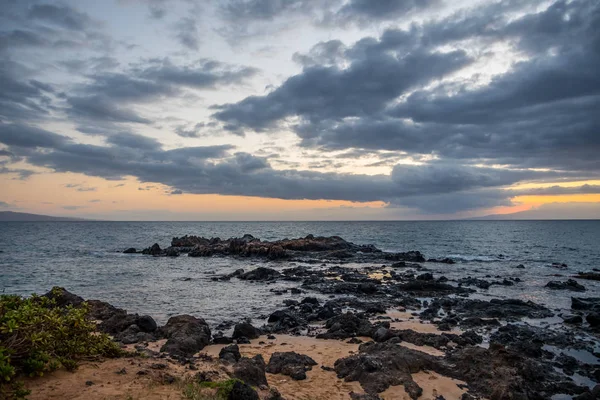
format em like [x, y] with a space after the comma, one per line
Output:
[315, 247]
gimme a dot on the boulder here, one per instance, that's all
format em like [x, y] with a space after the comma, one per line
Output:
[592, 276]
[63, 298]
[593, 319]
[260, 274]
[428, 276]
[230, 353]
[291, 364]
[154, 250]
[346, 326]
[130, 250]
[283, 320]
[146, 323]
[442, 260]
[570, 284]
[251, 370]
[585, 304]
[573, 319]
[244, 329]
[186, 335]
[410, 256]
[381, 365]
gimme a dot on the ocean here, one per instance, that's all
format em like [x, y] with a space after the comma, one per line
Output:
[86, 258]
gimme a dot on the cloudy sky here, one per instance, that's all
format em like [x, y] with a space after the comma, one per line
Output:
[300, 109]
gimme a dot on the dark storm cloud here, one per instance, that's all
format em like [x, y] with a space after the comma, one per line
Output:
[542, 113]
[214, 169]
[322, 93]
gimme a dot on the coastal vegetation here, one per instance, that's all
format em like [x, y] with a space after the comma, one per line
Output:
[37, 336]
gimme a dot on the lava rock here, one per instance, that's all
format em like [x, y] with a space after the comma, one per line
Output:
[570, 284]
[186, 335]
[230, 353]
[251, 370]
[244, 329]
[260, 274]
[290, 363]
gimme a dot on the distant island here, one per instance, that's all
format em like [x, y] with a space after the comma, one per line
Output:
[7, 216]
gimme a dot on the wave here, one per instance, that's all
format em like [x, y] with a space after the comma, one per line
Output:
[476, 258]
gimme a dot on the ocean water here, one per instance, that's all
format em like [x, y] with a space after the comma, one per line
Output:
[86, 258]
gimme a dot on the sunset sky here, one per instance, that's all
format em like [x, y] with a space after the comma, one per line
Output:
[300, 109]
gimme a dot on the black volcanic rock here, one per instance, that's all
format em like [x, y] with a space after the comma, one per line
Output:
[245, 329]
[570, 284]
[154, 250]
[186, 335]
[290, 363]
[230, 353]
[411, 256]
[260, 274]
[251, 370]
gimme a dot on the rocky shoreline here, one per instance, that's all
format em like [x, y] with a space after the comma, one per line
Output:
[402, 319]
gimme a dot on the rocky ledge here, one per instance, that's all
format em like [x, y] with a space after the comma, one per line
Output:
[309, 247]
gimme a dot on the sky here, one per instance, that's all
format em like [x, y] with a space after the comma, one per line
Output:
[300, 109]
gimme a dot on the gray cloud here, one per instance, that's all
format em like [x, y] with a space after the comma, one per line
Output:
[539, 114]
[73, 208]
[367, 11]
[322, 13]
[133, 141]
[102, 108]
[322, 93]
[213, 169]
[22, 98]
[246, 11]
[22, 174]
[187, 33]
[25, 136]
[64, 16]
[108, 97]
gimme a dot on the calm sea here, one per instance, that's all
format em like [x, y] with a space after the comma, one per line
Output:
[85, 258]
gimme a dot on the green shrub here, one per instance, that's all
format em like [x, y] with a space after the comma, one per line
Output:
[36, 336]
